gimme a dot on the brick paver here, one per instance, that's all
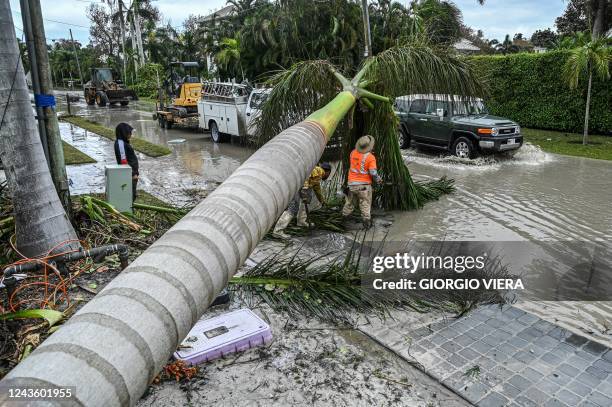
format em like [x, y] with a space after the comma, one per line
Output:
[506, 357]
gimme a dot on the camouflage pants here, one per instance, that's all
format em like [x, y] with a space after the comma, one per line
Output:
[362, 194]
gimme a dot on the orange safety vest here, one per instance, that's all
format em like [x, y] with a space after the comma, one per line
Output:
[361, 164]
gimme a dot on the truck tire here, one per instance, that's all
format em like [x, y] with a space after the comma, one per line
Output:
[90, 100]
[403, 138]
[125, 103]
[215, 134]
[162, 121]
[463, 148]
[101, 98]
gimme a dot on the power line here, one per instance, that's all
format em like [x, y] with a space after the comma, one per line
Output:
[56, 21]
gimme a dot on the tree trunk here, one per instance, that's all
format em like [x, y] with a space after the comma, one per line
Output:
[136, 18]
[585, 136]
[122, 26]
[600, 17]
[40, 220]
[366, 30]
[113, 347]
[134, 46]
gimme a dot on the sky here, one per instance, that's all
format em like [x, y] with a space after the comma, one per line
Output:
[496, 18]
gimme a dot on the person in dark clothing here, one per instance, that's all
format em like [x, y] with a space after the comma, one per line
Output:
[124, 152]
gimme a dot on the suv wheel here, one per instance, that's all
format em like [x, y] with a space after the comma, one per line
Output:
[463, 148]
[403, 139]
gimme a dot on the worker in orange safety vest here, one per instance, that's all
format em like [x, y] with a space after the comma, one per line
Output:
[361, 173]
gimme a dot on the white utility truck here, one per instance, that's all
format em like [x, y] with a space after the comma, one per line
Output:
[228, 109]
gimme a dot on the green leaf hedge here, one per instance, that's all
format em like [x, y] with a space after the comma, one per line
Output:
[530, 89]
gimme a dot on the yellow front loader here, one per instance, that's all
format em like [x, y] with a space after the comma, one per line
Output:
[179, 95]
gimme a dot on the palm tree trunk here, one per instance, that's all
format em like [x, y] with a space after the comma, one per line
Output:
[600, 16]
[585, 136]
[114, 346]
[40, 220]
[123, 54]
[136, 17]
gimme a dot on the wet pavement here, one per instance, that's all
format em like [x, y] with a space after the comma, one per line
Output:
[503, 357]
[196, 163]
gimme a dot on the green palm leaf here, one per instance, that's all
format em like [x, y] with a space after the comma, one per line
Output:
[335, 286]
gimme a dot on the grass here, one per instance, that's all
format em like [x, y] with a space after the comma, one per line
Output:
[600, 147]
[144, 146]
[73, 155]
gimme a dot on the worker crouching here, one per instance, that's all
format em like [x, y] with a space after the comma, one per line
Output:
[361, 173]
[299, 204]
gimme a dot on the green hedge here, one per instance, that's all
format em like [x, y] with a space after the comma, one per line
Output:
[529, 88]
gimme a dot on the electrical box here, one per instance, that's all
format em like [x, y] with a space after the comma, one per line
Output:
[119, 187]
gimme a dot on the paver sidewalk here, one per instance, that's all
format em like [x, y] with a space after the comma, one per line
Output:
[505, 357]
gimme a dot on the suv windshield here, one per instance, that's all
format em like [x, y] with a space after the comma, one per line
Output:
[469, 108]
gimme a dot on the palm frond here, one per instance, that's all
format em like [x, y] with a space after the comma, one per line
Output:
[593, 57]
[336, 286]
[296, 92]
[417, 67]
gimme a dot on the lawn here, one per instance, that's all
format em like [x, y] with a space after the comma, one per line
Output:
[73, 155]
[144, 146]
[600, 147]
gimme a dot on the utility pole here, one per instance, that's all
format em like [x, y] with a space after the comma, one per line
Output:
[76, 55]
[35, 33]
[29, 38]
[366, 29]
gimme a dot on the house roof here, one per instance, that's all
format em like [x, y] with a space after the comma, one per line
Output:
[220, 14]
[465, 45]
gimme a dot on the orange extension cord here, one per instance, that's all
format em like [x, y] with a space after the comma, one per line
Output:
[51, 289]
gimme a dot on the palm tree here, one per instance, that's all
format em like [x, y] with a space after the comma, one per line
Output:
[506, 47]
[229, 55]
[242, 5]
[40, 220]
[592, 58]
[407, 69]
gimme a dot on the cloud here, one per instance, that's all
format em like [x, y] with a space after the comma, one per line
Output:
[496, 18]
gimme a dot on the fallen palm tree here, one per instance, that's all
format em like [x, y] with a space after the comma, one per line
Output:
[114, 346]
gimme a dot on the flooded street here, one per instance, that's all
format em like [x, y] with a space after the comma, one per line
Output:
[196, 162]
[534, 197]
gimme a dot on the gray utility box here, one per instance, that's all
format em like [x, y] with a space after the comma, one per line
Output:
[119, 186]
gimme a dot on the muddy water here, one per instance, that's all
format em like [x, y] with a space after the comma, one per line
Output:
[196, 163]
[534, 197]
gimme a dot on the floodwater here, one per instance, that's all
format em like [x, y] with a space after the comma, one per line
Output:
[534, 197]
[560, 205]
[196, 163]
